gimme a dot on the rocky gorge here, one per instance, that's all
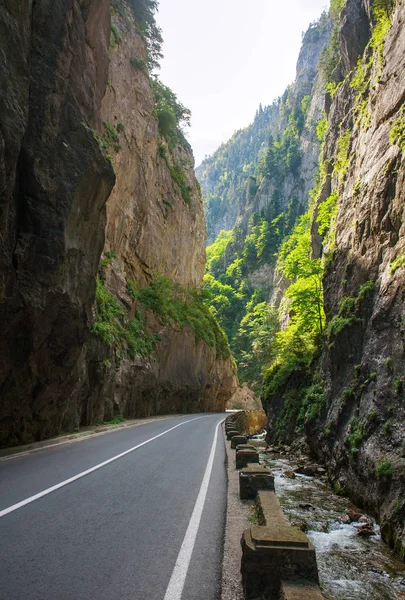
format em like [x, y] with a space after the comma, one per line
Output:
[323, 298]
[110, 305]
[97, 208]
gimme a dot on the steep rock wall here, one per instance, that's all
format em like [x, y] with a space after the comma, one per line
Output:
[361, 433]
[149, 226]
[55, 182]
[56, 177]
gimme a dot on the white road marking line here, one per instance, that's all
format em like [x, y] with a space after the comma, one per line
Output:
[14, 507]
[176, 584]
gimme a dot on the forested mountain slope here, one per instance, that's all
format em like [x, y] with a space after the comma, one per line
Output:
[227, 177]
[261, 185]
[231, 177]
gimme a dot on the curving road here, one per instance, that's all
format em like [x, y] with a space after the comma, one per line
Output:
[141, 519]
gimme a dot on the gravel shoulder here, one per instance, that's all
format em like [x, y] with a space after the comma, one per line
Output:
[237, 520]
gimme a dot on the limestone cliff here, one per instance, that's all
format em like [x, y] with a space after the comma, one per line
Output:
[66, 87]
[149, 226]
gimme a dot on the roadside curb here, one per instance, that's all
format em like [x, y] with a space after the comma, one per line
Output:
[14, 451]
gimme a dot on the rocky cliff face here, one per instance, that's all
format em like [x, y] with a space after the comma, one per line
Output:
[361, 433]
[296, 185]
[149, 226]
[228, 176]
[62, 95]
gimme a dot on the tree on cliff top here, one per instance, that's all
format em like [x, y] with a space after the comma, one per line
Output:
[144, 12]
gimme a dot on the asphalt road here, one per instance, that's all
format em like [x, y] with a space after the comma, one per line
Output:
[125, 530]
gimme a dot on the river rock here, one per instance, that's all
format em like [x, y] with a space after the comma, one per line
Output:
[288, 474]
[353, 515]
[308, 470]
[306, 506]
[365, 530]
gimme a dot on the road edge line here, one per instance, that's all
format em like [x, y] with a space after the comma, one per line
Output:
[178, 578]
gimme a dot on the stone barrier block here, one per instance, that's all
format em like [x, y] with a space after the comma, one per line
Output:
[244, 447]
[258, 443]
[244, 457]
[291, 590]
[238, 439]
[273, 554]
[270, 510]
[233, 428]
[252, 479]
[230, 434]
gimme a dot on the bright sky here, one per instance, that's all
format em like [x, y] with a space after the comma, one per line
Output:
[225, 57]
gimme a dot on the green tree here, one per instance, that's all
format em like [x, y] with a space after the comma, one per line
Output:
[144, 12]
[171, 114]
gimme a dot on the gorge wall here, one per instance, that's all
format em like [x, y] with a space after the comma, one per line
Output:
[360, 430]
[84, 166]
[343, 387]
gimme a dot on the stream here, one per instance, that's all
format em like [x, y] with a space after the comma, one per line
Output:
[351, 567]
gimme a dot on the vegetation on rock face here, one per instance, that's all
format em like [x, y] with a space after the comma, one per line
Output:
[171, 115]
[397, 263]
[384, 469]
[177, 173]
[397, 134]
[171, 304]
[144, 12]
[116, 330]
[342, 155]
[348, 310]
[329, 65]
[175, 305]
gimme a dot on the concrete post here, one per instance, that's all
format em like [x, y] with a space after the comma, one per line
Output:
[252, 479]
[244, 457]
[272, 554]
[238, 439]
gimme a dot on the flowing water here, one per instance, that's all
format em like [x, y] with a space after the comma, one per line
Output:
[351, 567]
